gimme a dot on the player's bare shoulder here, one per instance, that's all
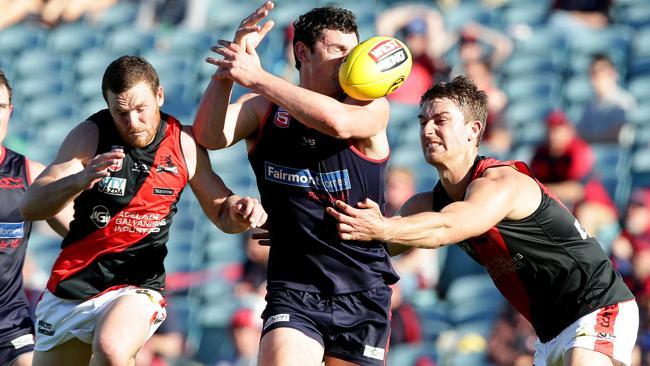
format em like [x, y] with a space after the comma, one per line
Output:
[524, 191]
[421, 202]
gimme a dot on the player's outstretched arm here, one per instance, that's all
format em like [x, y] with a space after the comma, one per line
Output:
[229, 212]
[489, 199]
[61, 221]
[73, 170]
[218, 123]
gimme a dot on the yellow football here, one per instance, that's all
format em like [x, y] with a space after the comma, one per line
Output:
[375, 68]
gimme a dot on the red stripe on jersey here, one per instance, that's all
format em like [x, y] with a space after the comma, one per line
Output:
[260, 128]
[605, 320]
[366, 157]
[2, 154]
[502, 267]
[108, 240]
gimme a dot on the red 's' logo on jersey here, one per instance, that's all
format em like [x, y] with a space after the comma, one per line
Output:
[282, 118]
[11, 183]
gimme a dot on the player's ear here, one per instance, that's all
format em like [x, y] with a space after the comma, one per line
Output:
[475, 130]
[160, 96]
[301, 51]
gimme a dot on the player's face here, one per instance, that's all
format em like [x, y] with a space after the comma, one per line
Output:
[444, 135]
[136, 113]
[5, 111]
[326, 57]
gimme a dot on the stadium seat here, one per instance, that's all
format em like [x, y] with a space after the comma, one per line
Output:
[74, 39]
[131, 41]
[526, 65]
[48, 108]
[542, 87]
[457, 17]
[40, 62]
[190, 42]
[636, 15]
[532, 13]
[124, 13]
[577, 90]
[92, 63]
[640, 88]
[33, 88]
[473, 298]
[19, 38]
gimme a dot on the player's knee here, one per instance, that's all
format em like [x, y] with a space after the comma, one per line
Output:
[107, 353]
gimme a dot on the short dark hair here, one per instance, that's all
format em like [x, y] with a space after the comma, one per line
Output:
[309, 27]
[601, 57]
[464, 93]
[5, 82]
[126, 72]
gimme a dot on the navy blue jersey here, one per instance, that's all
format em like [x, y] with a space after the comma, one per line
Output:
[121, 225]
[14, 232]
[300, 172]
[546, 265]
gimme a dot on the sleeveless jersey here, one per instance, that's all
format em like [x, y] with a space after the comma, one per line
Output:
[300, 172]
[545, 265]
[14, 233]
[121, 224]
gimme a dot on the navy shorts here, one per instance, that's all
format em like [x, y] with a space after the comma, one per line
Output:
[354, 327]
[22, 341]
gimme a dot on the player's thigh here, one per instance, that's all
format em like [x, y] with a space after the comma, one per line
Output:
[586, 357]
[333, 361]
[71, 353]
[289, 347]
[24, 360]
[124, 326]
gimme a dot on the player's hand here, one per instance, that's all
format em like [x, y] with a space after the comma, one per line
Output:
[239, 65]
[97, 168]
[250, 33]
[363, 223]
[249, 212]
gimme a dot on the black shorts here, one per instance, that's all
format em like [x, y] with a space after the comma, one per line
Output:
[354, 327]
[17, 345]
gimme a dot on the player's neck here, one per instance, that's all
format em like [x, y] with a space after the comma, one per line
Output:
[456, 175]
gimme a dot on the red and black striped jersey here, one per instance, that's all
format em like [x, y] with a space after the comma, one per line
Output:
[121, 225]
[545, 265]
[14, 233]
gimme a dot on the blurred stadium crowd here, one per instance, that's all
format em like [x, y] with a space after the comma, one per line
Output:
[569, 89]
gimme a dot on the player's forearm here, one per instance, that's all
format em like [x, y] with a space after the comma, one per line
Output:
[424, 230]
[315, 110]
[46, 198]
[210, 120]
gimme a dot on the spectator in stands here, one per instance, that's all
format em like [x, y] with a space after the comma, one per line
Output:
[607, 112]
[15, 11]
[512, 342]
[631, 257]
[564, 163]
[54, 12]
[246, 329]
[400, 186]
[629, 250]
[417, 268]
[497, 137]
[478, 42]
[166, 345]
[405, 323]
[50, 12]
[422, 29]
[253, 279]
